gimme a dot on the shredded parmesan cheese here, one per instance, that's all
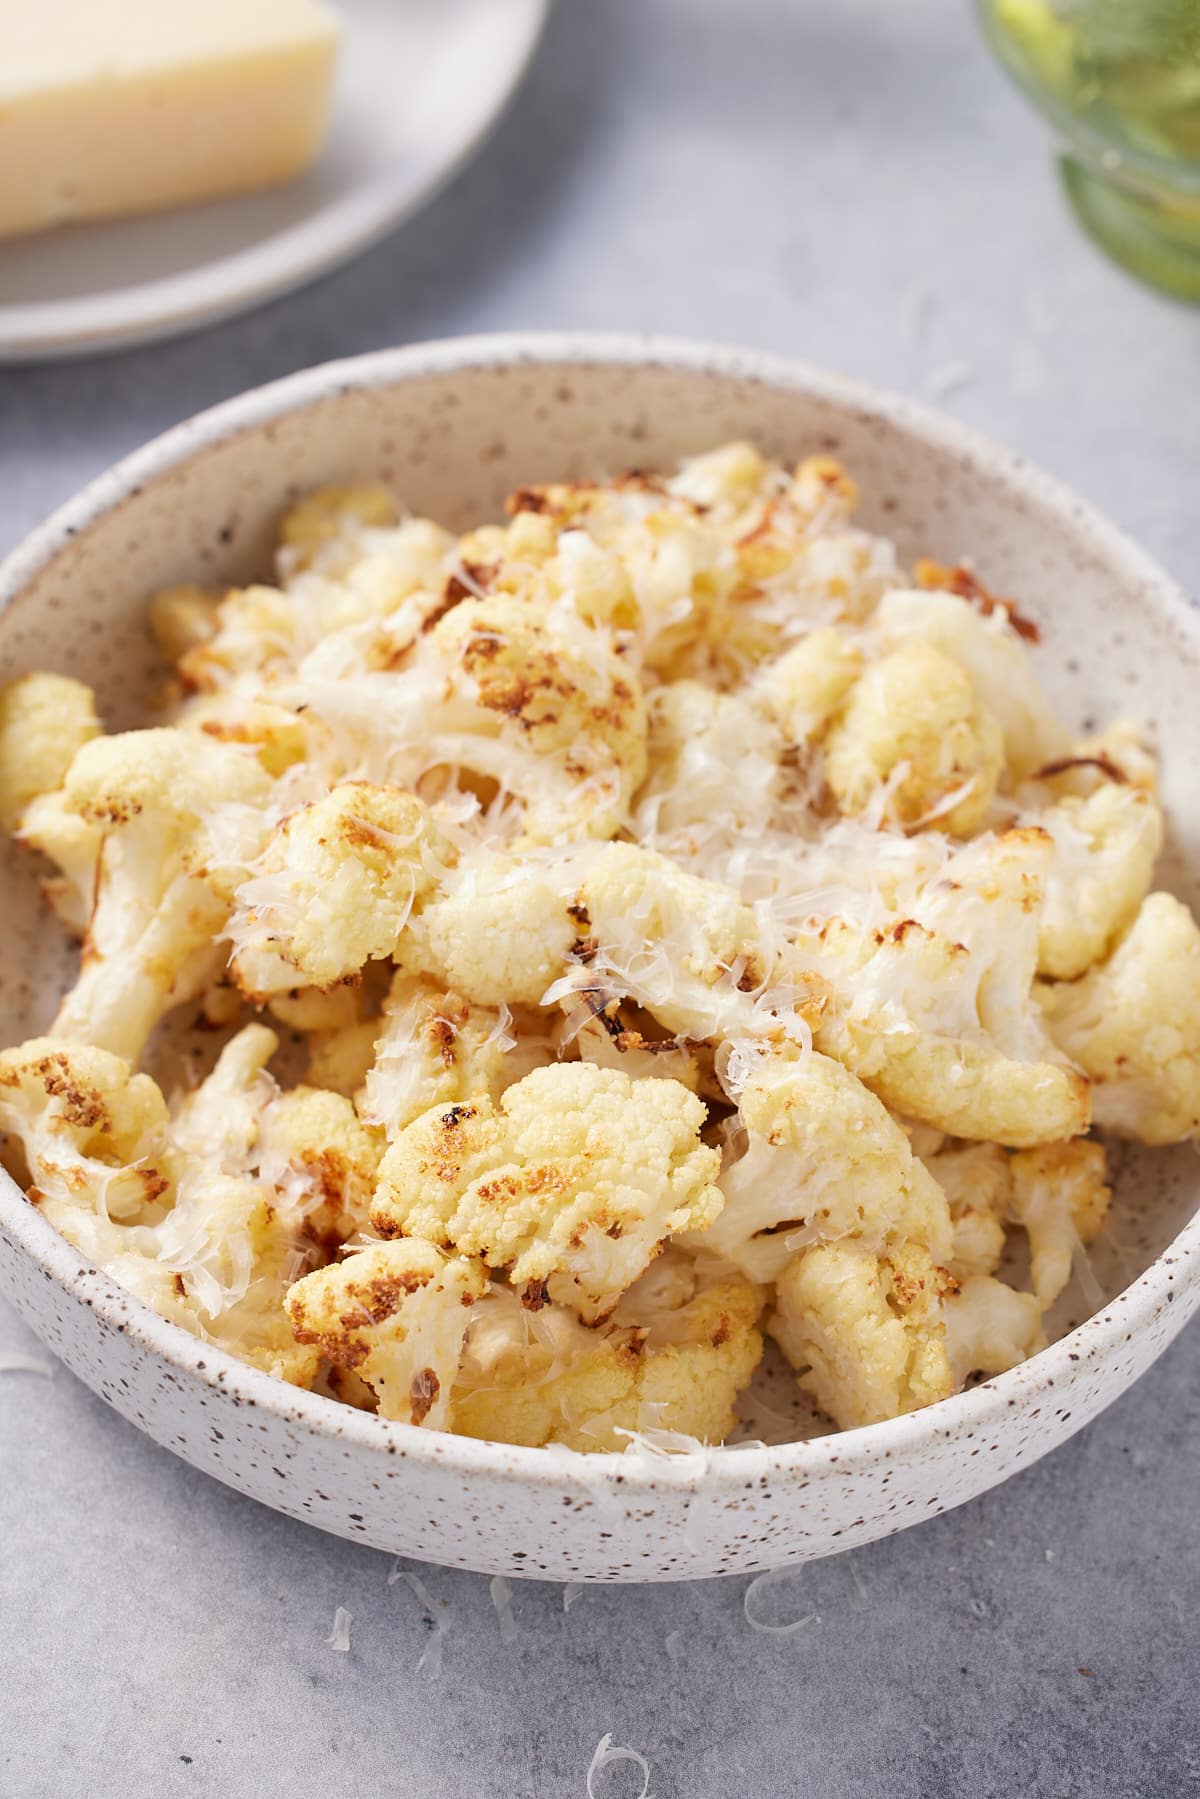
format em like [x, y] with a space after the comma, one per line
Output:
[763, 1585]
[339, 1636]
[500, 1590]
[605, 1756]
[429, 1662]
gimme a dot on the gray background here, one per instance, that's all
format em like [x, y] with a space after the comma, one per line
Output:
[856, 185]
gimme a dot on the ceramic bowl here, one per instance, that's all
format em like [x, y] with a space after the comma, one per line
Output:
[453, 426]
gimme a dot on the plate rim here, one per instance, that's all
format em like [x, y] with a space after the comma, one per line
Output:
[1173, 1274]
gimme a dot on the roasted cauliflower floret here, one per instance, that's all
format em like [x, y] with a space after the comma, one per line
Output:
[723, 481]
[915, 736]
[990, 1327]
[435, 1048]
[44, 720]
[50, 826]
[321, 1160]
[1105, 846]
[936, 1012]
[1133, 1025]
[396, 1314]
[93, 1140]
[1060, 1197]
[163, 1205]
[977, 1181]
[180, 818]
[614, 1035]
[181, 619]
[864, 1332]
[323, 518]
[714, 763]
[674, 1356]
[86, 1125]
[824, 1161]
[277, 737]
[591, 579]
[805, 689]
[335, 887]
[570, 1184]
[502, 932]
[341, 1059]
[994, 657]
[565, 714]
[340, 1025]
[687, 950]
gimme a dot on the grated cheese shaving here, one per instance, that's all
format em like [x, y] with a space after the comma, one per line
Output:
[339, 1636]
[429, 1662]
[606, 1755]
[763, 1584]
[500, 1591]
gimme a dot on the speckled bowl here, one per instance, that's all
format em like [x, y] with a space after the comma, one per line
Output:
[453, 426]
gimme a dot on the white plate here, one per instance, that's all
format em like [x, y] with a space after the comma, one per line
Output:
[419, 83]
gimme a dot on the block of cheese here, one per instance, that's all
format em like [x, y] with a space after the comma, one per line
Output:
[122, 106]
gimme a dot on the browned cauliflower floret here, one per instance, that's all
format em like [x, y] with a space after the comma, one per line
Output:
[93, 1143]
[44, 720]
[502, 932]
[51, 826]
[824, 1160]
[321, 519]
[674, 1356]
[396, 1314]
[864, 1332]
[1060, 1197]
[434, 1048]
[335, 887]
[1133, 1025]
[994, 657]
[936, 1012]
[180, 819]
[166, 1206]
[977, 1181]
[277, 737]
[915, 736]
[570, 1183]
[805, 689]
[321, 1160]
[181, 619]
[614, 920]
[687, 950]
[990, 1327]
[83, 1121]
[1105, 846]
[565, 715]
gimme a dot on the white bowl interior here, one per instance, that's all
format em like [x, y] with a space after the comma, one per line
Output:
[452, 443]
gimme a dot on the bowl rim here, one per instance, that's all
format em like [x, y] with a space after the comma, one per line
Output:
[722, 1468]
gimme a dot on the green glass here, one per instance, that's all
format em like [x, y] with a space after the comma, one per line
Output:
[1120, 81]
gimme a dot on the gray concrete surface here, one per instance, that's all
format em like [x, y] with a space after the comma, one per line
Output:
[854, 184]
